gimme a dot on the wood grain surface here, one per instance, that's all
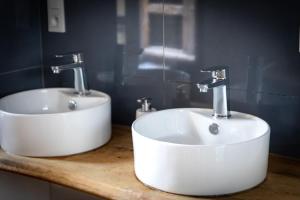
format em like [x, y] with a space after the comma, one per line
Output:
[108, 172]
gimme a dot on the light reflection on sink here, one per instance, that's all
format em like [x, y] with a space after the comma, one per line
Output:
[174, 151]
[54, 122]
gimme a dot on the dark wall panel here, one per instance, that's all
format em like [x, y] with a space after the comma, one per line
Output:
[20, 46]
[90, 28]
[259, 40]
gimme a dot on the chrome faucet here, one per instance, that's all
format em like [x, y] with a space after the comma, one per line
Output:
[219, 83]
[146, 104]
[77, 66]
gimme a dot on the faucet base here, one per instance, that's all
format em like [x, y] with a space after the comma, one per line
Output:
[221, 116]
[220, 102]
[86, 93]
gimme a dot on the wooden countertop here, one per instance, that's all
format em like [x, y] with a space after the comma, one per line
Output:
[108, 172]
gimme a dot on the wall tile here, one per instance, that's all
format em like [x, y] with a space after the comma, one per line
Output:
[280, 112]
[257, 41]
[260, 44]
[20, 35]
[142, 53]
[260, 47]
[20, 42]
[21, 80]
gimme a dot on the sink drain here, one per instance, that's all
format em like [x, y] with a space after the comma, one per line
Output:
[213, 128]
[72, 105]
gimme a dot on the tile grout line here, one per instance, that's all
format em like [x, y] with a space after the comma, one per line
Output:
[163, 40]
[163, 53]
[41, 46]
[20, 70]
[241, 90]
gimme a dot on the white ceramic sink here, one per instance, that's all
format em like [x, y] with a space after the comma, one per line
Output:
[174, 151]
[42, 122]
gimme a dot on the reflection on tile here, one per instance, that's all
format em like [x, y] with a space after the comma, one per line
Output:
[244, 37]
[126, 94]
[180, 37]
[176, 94]
[273, 76]
[143, 49]
[20, 81]
[63, 79]
[258, 42]
[280, 112]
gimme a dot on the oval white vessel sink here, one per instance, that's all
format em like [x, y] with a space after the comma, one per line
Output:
[175, 151]
[54, 122]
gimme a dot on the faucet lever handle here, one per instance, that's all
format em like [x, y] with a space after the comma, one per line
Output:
[77, 57]
[218, 72]
[215, 68]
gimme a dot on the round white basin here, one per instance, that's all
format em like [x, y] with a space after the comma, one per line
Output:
[175, 151]
[54, 122]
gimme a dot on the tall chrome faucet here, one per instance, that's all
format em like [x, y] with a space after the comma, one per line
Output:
[219, 83]
[77, 66]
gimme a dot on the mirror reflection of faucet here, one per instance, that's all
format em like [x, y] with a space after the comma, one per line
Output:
[146, 106]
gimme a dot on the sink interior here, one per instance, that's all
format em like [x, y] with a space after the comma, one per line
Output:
[49, 101]
[190, 127]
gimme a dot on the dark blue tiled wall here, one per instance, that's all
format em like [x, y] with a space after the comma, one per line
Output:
[259, 40]
[20, 46]
[91, 29]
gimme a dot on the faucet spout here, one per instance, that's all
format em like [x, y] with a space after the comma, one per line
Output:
[210, 83]
[80, 84]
